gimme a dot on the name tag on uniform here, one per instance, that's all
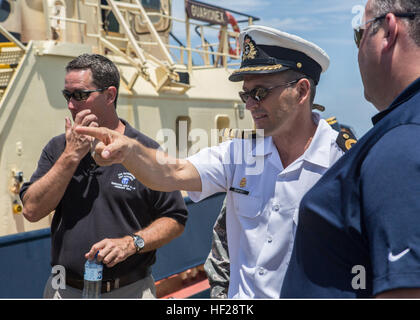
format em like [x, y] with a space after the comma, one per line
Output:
[241, 191]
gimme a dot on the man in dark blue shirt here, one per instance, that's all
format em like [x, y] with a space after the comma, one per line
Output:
[359, 226]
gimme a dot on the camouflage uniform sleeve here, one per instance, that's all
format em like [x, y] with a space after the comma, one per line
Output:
[217, 264]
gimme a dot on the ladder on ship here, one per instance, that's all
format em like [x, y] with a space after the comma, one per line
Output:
[11, 54]
[165, 77]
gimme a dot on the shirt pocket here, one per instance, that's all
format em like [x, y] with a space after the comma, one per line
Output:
[247, 206]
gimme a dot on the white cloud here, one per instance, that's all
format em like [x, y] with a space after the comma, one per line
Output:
[292, 24]
[341, 7]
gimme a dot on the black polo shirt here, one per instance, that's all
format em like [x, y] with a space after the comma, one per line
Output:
[359, 226]
[103, 202]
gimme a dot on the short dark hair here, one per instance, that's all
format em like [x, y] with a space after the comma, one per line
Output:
[295, 75]
[380, 7]
[104, 72]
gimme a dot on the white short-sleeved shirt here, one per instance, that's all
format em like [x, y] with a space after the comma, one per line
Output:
[262, 203]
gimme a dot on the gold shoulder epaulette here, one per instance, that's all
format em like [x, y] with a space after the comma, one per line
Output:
[331, 121]
[229, 133]
[334, 123]
[346, 139]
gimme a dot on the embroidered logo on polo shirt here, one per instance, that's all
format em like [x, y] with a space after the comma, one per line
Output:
[126, 182]
[393, 258]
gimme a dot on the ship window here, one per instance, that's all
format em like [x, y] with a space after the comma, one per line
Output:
[183, 128]
[4, 10]
[151, 4]
[222, 122]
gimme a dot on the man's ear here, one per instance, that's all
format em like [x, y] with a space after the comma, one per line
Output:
[390, 32]
[111, 94]
[304, 89]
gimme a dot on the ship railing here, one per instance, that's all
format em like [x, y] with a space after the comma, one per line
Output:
[161, 70]
[226, 39]
[185, 52]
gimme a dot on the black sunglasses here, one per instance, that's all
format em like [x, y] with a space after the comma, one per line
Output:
[79, 95]
[259, 94]
[358, 31]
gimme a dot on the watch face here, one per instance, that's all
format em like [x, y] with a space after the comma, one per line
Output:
[138, 242]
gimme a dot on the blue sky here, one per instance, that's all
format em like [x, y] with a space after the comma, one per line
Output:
[328, 23]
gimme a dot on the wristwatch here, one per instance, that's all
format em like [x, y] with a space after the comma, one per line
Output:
[138, 242]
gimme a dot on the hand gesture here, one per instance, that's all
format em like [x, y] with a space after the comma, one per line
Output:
[112, 147]
[78, 145]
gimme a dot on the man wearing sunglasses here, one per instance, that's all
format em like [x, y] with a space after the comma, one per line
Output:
[102, 210]
[279, 73]
[358, 233]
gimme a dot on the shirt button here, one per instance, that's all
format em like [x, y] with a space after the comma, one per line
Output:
[261, 271]
[276, 208]
[269, 239]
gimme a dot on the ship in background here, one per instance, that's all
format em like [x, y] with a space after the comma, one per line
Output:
[172, 81]
[168, 81]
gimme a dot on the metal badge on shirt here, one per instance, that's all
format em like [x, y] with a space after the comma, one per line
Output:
[242, 184]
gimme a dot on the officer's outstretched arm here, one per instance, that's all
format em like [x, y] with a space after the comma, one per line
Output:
[154, 168]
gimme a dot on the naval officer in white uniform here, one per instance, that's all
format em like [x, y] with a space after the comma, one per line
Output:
[265, 178]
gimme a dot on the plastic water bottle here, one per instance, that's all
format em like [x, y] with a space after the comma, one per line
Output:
[92, 279]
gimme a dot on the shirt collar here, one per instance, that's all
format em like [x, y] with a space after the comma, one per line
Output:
[262, 146]
[319, 150]
[410, 91]
[128, 130]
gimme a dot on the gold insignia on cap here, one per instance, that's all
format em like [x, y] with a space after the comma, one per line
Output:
[299, 65]
[346, 136]
[250, 49]
[265, 68]
[242, 184]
